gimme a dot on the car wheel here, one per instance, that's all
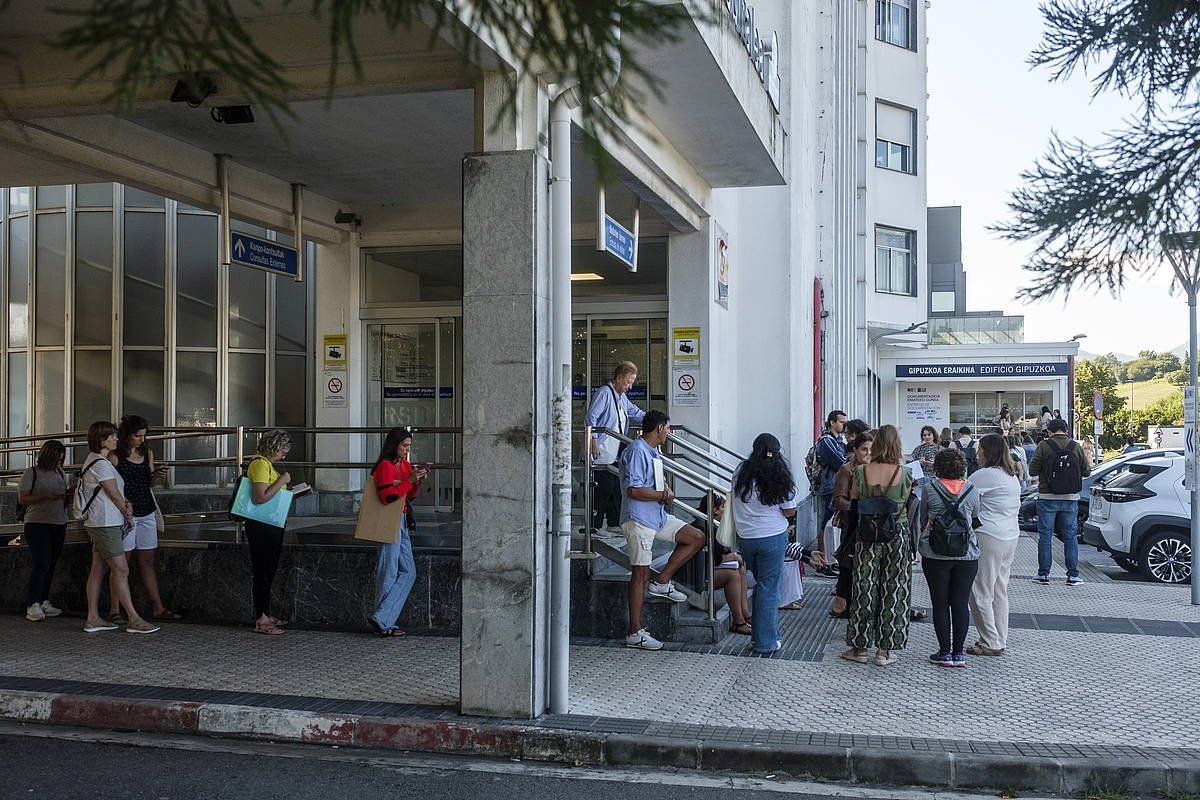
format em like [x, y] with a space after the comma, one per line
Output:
[1166, 556]
[1127, 564]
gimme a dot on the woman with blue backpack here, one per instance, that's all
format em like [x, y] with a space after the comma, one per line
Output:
[949, 552]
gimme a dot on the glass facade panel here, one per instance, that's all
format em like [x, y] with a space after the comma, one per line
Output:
[51, 197]
[94, 195]
[983, 329]
[195, 407]
[145, 262]
[93, 388]
[51, 285]
[18, 398]
[196, 279]
[410, 276]
[50, 415]
[291, 325]
[18, 199]
[291, 390]
[142, 384]
[247, 389]
[136, 198]
[247, 308]
[941, 301]
[18, 280]
[893, 22]
[93, 277]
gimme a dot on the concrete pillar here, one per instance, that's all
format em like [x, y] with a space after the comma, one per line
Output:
[506, 433]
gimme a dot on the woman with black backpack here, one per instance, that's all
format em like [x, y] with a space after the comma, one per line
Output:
[949, 552]
[879, 609]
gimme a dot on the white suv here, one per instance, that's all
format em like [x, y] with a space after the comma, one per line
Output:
[1141, 517]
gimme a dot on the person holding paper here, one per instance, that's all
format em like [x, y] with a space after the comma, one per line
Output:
[644, 520]
[610, 408]
[266, 541]
[396, 481]
[924, 453]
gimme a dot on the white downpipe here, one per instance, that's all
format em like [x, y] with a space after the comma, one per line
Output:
[560, 249]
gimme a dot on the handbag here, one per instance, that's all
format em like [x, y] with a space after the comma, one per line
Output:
[273, 512]
[727, 530]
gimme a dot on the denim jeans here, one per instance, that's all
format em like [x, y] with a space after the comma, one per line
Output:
[394, 578]
[764, 558]
[1064, 514]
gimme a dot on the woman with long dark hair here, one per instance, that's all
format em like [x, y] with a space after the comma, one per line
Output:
[44, 494]
[396, 481]
[999, 501]
[135, 464]
[763, 500]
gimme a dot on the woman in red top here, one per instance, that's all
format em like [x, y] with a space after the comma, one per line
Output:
[397, 481]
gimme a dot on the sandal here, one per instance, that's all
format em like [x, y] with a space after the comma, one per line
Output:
[166, 614]
[118, 619]
[278, 622]
[267, 628]
[744, 629]
[841, 615]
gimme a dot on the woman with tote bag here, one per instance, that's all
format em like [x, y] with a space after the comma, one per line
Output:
[395, 481]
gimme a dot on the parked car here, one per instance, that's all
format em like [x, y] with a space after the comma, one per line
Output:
[1141, 518]
[1027, 516]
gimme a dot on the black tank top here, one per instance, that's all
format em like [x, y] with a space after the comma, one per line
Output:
[137, 485]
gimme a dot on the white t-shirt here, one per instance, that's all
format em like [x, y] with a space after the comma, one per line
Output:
[999, 502]
[754, 520]
[103, 513]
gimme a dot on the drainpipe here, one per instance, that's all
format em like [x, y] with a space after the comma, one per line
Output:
[563, 99]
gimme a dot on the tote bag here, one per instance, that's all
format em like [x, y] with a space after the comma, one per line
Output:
[273, 512]
[377, 521]
[727, 530]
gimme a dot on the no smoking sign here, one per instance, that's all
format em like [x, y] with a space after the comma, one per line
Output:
[686, 391]
[686, 382]
[334, 396]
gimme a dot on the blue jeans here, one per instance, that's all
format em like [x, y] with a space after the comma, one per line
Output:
[1064, 513]
[764, 558]
[395, 575]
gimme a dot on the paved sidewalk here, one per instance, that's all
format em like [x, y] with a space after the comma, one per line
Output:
[1067, 688]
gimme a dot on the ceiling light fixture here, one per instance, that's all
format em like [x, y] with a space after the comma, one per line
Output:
[233, 115]
[586, 276]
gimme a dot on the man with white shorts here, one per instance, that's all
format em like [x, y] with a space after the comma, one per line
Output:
[645, 498]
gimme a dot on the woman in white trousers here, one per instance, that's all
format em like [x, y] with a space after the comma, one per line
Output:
[999, 501]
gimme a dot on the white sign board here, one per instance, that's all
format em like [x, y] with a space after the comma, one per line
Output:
[685, 385]
[922, 404]
[335, 391]
[1189, 438]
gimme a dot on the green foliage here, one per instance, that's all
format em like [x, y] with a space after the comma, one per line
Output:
[1148, 366]
[1091, 375]
[1095, 210]
[143, 42]
[1164, 411]
[1179, 377]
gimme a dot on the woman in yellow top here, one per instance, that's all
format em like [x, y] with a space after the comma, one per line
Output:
[266, 541]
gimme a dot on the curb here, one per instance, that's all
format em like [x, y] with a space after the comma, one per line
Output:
[466, 736]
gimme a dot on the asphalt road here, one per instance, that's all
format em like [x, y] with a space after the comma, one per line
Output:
[52, 763]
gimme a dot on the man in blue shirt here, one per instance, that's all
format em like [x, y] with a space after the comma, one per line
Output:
[645, 498]
[610, 408]
[831, 455]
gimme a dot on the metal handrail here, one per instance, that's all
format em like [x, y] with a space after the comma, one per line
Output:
[709, 441]
[700, 452]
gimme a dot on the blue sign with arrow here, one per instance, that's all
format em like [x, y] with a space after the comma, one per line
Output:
[620, 242]
[250, 251]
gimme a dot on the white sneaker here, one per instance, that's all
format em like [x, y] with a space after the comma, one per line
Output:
[49, 610]
[642, 641]
[668, 591]
[35, 613]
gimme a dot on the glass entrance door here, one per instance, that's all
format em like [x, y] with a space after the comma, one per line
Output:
[413, 381]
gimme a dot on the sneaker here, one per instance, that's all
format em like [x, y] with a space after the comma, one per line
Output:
[778, 646]
[941, 659]
[49, 610]
[958, 660]
[1074, 580]
[884, 658]
[668, 591]
[1044, 580]
[643, 641]
[35, 613]
[140, 626]
[98, 625]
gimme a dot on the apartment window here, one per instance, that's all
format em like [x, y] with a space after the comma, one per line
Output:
[941, 302]
[895, 132]
[895, 262]
[893, 22]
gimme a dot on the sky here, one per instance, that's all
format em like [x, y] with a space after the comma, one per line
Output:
[990, 118]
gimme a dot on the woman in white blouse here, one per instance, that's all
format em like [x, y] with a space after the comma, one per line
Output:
[999, 501]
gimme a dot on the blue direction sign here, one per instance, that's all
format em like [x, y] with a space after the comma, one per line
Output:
[620, 242]
[250, 251]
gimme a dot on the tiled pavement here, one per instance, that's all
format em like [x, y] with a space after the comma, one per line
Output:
[1055, 688]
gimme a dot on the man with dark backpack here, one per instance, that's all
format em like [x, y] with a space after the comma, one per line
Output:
[965, 444]
[949, 551]
[1060, 466]
[821, 465]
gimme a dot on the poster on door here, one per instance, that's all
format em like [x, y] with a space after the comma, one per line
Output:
[922, 404]
[336, 355]
[722, 259]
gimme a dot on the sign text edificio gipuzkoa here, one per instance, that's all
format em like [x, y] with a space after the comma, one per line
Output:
[1025, 369]
[764, 52]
